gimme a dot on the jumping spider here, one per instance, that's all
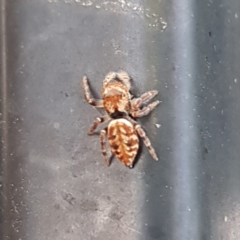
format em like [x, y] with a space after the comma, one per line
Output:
[121, 109]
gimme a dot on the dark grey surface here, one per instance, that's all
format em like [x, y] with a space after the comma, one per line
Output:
[54, 184]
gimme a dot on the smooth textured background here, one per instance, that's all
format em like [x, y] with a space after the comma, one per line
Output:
[54, 184]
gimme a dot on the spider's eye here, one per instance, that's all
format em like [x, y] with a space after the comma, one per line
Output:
[117, 114]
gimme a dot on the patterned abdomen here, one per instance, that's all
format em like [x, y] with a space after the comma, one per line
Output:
[123, 140]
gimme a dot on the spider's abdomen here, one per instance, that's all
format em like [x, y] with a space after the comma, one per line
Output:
[123, 140]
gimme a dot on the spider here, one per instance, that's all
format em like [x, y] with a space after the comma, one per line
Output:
[121, 110]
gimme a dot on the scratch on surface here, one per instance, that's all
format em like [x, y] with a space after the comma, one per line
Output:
[123, 7]
[133, 229]
[117, 48]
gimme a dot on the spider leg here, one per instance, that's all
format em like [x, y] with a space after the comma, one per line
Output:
[146, 141]
[124, 77]
[109, 77]
[137, 102]
[97, 122]
[94, 102]
[103, 146]
[145, 110]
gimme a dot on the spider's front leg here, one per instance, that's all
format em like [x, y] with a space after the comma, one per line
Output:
[120, 75]
[146, 141]
[145, 111]
[109, 77]
[137, 102]
[94, 102]
[124, 77]
[103, 146]
[97, 122]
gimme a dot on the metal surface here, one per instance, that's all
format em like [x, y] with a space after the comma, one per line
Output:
[54, 184]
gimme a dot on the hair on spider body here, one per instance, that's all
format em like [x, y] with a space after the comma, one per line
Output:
[121, 108]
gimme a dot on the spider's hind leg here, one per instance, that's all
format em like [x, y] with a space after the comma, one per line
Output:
[103, 135]
[97, 122]
[146, 141]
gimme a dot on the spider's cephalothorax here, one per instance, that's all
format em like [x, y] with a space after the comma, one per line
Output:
[115, 95]
[121, 108]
